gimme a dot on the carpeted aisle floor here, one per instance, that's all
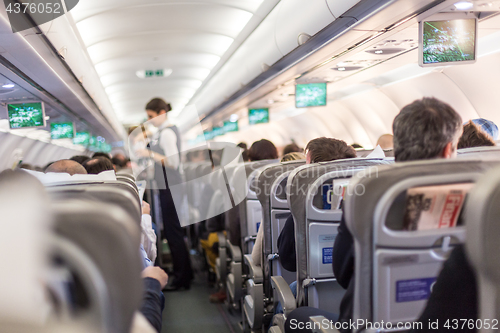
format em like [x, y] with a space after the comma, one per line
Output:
[191, 312]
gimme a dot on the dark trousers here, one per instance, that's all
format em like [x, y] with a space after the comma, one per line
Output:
[175, 236]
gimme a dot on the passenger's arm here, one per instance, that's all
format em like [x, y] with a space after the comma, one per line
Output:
[154, 279]
[286, 246]
[343, 255]
[257, 248]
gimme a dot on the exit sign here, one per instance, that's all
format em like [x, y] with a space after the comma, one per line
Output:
[149, 73]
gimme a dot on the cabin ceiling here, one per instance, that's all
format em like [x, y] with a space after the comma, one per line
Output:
[188, 38]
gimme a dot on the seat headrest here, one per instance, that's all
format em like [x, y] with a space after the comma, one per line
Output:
[51, 178]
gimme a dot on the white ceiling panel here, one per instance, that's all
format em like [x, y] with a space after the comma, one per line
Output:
[189, 38]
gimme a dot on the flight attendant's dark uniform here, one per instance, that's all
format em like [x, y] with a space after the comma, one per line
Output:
[172, 229]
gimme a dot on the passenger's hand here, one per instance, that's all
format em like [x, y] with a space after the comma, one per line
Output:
[156, 273]
[145, 208]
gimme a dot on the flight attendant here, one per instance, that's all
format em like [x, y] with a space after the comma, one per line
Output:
[165, 151]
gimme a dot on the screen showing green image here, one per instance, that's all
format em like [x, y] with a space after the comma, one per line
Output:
[82, 138]
[311, 94]
[449, 41]
[22, 115]
[230, 126]
[258, 116]
[61, 130]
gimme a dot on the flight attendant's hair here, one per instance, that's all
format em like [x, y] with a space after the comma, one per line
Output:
[157, 104]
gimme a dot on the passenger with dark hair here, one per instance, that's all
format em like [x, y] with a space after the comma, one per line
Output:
[26, 166]
[97, 165]
[262, 150]
[473, 136]
[244, 153]
[356, 146]
[317, 150]
[165, 151]
[424, 129]
[80, 159]
[100, 154]
[292, 148]
[66, 166]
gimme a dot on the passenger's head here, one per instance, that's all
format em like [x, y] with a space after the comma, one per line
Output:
[97, 165]
[291, 148]
[244, 152]
[473, 136]
[26, 166]
[487, 126]
[99, 154]
[66, 166]
[155, 108]
[356, 146]
[385, 141]
[426, 129]
[328, 149]
[80, 158]
[293, 157]
[262, 150]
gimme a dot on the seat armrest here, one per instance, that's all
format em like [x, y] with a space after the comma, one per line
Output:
[285, 295]
[322, 325]
[255, 271]
[235, 252]
[222, 239]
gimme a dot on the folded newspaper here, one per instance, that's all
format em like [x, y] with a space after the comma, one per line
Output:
[434, 207]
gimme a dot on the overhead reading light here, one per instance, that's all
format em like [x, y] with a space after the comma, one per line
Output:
[270, 101]
[8, 86]
[386, 50]
[233, 118]
[347, 68]
[463, 5]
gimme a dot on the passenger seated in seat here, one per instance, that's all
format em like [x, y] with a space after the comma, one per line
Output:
[97, 165]
[424, 129]
[317, 150]
[66, 166]
[262, 150]
[80, 159]
[474, 136]
[385, 141]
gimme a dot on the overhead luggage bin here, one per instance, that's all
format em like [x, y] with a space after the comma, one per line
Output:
[390, 257]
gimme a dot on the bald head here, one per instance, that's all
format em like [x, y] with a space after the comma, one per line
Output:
[385, 141]
[67, 166]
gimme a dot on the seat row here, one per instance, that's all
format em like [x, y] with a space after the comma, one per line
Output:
[388, 257]
[83, 236]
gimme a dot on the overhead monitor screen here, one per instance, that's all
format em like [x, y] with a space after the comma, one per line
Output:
[445, 42]
[61, 131]
[82, 138]
[311, 94]
[230, 126]
[258, 116]
[23, 115]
